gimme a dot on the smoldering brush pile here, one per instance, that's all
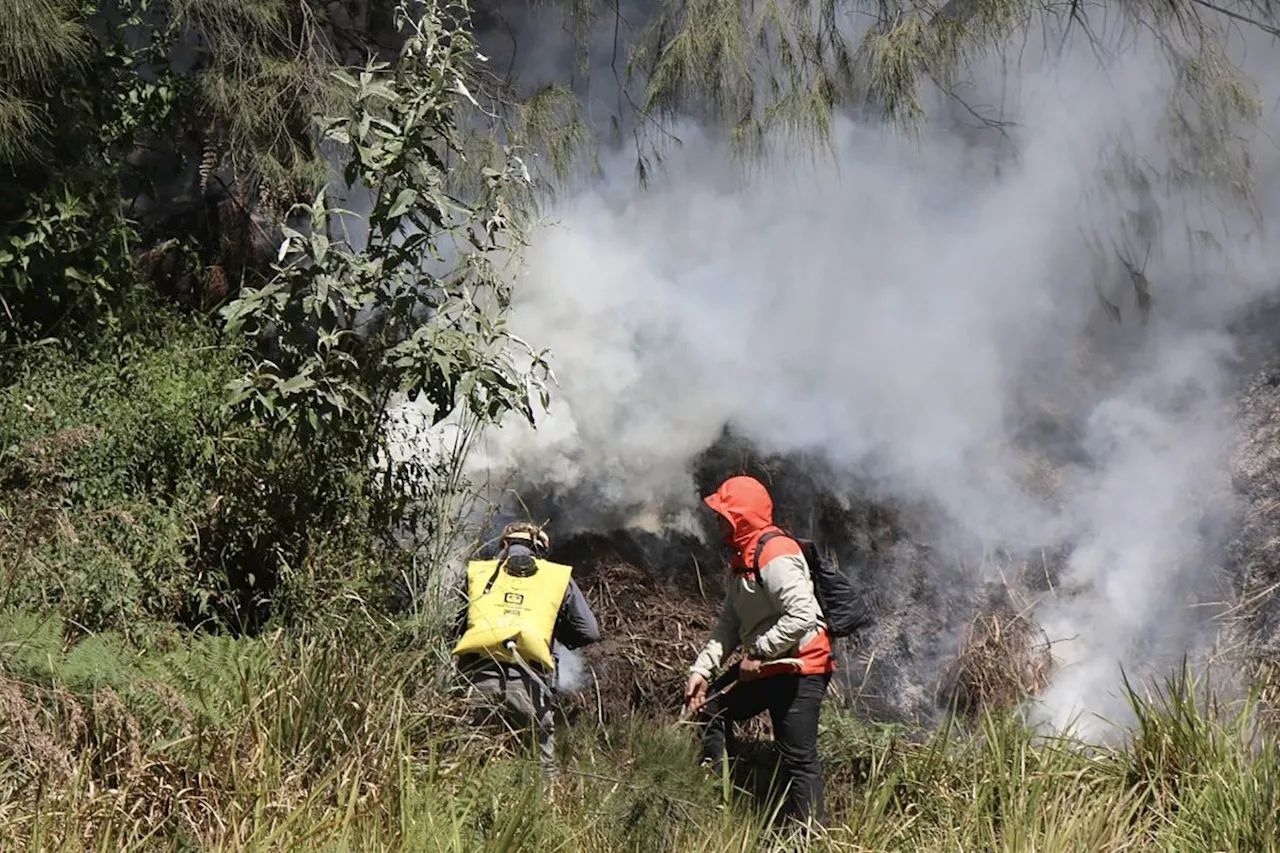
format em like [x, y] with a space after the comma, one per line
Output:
[650, 630]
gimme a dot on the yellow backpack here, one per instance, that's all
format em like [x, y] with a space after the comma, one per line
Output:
[505, 607]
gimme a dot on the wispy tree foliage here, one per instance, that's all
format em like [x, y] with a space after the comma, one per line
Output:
[42, 47]
[760, 72]
[753, 66]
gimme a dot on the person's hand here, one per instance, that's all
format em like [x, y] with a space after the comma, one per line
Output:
[749, 669]
[695, 692]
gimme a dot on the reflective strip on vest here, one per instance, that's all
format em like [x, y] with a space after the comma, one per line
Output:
[523, 609]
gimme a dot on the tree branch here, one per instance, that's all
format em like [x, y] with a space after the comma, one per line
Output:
[1266, 28]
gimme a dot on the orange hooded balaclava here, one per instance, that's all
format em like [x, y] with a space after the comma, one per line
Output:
[745, 503]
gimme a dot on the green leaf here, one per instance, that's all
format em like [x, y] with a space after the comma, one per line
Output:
[405, 199]
[301, 382]
[319, 247]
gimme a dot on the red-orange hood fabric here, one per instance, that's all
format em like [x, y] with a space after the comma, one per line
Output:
[745, 503]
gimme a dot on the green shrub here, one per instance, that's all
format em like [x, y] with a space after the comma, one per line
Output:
[128, 495]
[104, 471]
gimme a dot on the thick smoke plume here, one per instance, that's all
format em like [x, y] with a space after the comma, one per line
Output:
[914, 314]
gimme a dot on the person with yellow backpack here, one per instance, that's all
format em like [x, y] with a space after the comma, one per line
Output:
[519, 608]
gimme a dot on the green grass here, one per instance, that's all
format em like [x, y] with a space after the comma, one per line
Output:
[344, 743]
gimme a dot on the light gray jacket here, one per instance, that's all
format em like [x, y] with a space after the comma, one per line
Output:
[772, 619]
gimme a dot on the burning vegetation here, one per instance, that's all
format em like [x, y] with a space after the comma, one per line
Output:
[1004, 658]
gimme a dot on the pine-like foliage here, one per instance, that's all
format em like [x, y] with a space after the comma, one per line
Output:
[43, 49]
[766, 69]
[264, 72]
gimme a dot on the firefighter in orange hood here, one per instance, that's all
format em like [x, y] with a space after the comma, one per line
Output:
[771, 610]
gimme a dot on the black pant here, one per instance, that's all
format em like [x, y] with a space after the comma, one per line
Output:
[793, 703]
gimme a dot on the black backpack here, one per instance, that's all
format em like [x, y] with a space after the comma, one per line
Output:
[842, 608]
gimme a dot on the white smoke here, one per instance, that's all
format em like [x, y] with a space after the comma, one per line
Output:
[895, 311]
[571, 670]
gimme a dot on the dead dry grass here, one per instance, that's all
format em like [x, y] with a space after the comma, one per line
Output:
[651, 630]
[650, 633]
[1003, 659]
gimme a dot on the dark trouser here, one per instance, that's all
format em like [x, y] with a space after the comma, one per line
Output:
[793, 703]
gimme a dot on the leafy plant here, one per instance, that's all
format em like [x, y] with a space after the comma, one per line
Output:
[416, 312]
[66, 241]
[107, 470]
[407, 312]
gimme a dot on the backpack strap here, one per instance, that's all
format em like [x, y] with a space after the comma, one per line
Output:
[755, 560]
[494, 577]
